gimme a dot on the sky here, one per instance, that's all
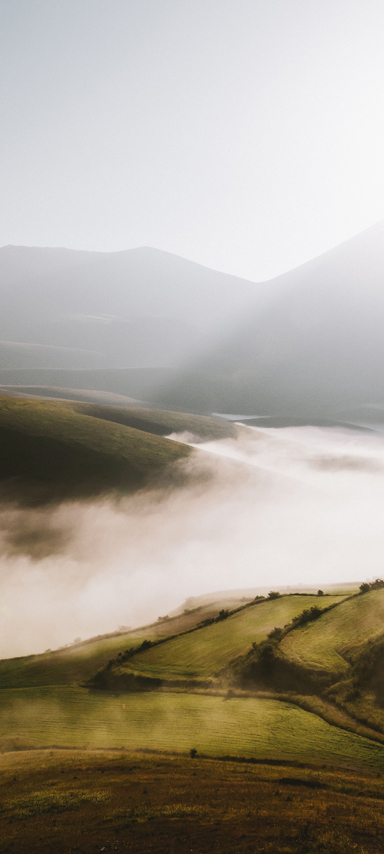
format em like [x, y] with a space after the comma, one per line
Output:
[246, 135]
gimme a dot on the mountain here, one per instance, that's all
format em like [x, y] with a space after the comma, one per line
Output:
[137, 308]
[317, 349]
[143, 323]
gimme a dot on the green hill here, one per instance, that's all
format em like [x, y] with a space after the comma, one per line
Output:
[78, 662]
[323, 644]
[64, 449]
[55, 698]
[204, 652]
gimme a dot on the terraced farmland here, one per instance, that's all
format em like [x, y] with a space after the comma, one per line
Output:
[206, 651]
[240, 726]
[321, 644]
[77, 663]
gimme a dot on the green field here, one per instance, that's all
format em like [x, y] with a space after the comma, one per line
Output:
[208, 650]
[321, 644]
[213, 725]
[43, 700]
[79, 662]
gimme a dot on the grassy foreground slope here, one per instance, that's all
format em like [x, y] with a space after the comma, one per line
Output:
[209, 649]
[253, 727]
[323, 643]
[64, 447]
[76, 800]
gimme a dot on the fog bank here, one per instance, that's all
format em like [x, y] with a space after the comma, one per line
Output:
[294, 507]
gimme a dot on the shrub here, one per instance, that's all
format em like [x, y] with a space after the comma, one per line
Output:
[364, 587]
[307, 615]
[373, 585]
[276, 634]
[376, 585]
[274, 594]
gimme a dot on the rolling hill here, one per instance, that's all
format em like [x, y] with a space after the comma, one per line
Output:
[63, 689]
[324, 643]
[204, 653]
[64, 449]
[78, 662]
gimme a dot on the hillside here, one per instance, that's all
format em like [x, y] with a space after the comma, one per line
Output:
[314, 351]
[198, 660]
[202, 654]
[323, 644]
[77, 662]
[163, 423]
[255, 648]
[85, 396]
[61, 449]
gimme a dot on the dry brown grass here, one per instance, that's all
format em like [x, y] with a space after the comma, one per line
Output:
[66, 802]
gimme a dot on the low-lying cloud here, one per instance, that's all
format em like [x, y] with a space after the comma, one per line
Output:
[296, 506]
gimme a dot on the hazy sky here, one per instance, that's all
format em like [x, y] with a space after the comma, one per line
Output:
[247, 135]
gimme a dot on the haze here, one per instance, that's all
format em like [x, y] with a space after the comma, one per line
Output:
[295, 507]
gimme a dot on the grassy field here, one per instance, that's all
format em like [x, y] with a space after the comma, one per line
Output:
[64, 801]
[76, 663]
[252, 727]
[209, 649]
[321, 644]
[60, 444]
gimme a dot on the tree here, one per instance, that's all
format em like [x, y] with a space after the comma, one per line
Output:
[320, 593]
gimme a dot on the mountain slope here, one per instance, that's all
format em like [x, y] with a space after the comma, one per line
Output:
[317, 349]
[309, 343]
[140, 307]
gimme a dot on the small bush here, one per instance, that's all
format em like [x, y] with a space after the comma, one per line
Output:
[274, 594]
[276, 634]
[373, 585]
[364, 588]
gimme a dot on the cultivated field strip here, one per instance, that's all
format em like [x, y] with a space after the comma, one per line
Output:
[321, 643]
[239, 726]
[206, 651]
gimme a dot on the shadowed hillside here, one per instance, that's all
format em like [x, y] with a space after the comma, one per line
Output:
[51, 450]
